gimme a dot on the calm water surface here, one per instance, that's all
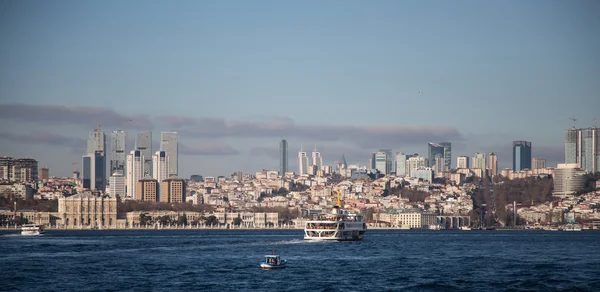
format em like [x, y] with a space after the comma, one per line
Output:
[219, 260]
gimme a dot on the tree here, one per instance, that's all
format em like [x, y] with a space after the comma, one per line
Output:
[145, 219]
[211, 220]
[182, 220]
[237, 221]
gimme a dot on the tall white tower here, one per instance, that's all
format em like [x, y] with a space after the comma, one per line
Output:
[317, 160]
[135, 171]
[160, 166]
[302, 162]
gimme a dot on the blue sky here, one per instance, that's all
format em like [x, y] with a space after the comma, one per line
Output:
[233, 77]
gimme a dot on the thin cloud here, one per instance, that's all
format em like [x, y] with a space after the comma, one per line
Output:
[60, 114]
[207, 148]
[75, 143]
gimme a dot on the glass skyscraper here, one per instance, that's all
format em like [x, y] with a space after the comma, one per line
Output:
[169, 144]
[143, 143]
[521, 155]
[283, 157]
[117, 152]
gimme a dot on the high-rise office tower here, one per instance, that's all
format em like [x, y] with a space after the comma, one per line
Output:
[143, 143]
[44, 173]
[117, 185]
[388, 161]
[94, 163]
[317, 160]
[160, 166]
[538, 163]
[521, 155]
[492, 165]
[447, 155]
[590, 150]
[462, 162]
[442, 148]
[93, 168]
[572, 146]
[283, 157]
[117, 152]
[302, 162]
[135, 172]
[169, 144]
[478, 161]
[439, 163]
[400, 164]
[381, 162]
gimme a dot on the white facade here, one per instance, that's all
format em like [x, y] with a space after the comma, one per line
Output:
[117, 185]
[424, 173]
[492, 165]
[302, 162]
[568, 179]
[160, 164]
[538, 163]
[135, 172]
[462, 162]
[415, 162]
[317, 160]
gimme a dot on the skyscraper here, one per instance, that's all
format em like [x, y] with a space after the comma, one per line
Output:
[160, 164]
[400, 164]
[447, 155]
[492, 165]
[283, 157]
[117, 152]
[521, 155]
[381, 162]
[143, 143]
[169, 144]
[462, 162]
[582, 147]
[302, 162]
[317, 160]
[135, 172]
[442, 149]
[388, 160]
[478, 161]
[94, 162]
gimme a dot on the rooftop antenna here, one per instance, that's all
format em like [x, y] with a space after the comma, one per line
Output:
[574, 121]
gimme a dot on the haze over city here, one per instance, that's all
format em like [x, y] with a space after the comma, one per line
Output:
[234, 77]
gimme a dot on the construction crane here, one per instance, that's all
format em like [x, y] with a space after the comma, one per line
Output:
[574, 121]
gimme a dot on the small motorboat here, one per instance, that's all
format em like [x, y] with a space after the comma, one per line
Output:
[273, 261]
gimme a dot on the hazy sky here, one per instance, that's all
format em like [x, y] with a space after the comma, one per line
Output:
[233, 77]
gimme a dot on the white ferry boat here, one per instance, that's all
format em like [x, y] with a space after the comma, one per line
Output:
[31, 229]
[339, 225]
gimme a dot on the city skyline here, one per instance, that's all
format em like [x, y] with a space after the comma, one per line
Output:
[232, 82]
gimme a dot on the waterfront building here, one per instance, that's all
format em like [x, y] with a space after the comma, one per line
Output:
[283, 157]
[169, 143]
[521, 155]
[143, 144]
[568, 179]
[87, 210]
[462, 162]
